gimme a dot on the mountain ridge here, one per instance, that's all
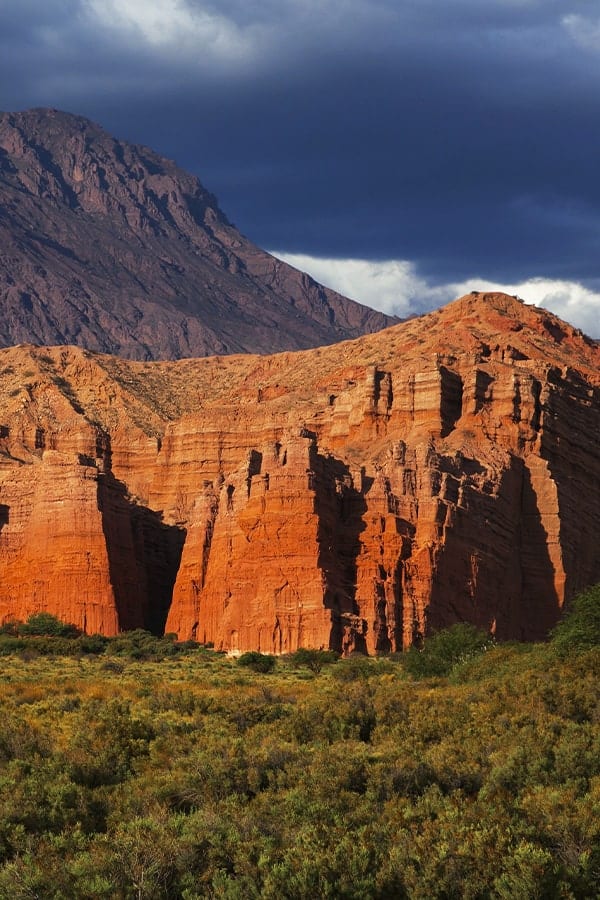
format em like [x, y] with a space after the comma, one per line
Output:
[110, 246]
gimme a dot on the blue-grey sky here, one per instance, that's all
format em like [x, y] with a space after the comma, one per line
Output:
[400, 150]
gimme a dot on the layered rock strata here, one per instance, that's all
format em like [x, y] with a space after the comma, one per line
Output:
[353, 497]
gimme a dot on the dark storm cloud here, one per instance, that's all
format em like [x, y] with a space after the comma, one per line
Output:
[462, 136]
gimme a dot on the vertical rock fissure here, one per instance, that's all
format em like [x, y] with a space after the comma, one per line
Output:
[451, 395]
[340, 509]
[539, 595]
[144, 554]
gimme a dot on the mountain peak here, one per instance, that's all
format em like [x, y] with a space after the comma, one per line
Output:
[482, 320]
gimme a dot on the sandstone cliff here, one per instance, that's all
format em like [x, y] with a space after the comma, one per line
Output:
[111, 247]
[353, 496]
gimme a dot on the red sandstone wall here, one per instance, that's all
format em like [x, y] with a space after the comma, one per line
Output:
[316, 499]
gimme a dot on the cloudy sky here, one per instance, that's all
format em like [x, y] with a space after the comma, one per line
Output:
[402, 151]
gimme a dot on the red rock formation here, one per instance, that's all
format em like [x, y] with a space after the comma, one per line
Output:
[353, 497]
[111, 247]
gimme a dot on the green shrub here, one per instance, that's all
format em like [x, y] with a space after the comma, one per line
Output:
[93, 643]
[140, 644]
[258, 662]
[313, 659]
[10, 644]
[50, 645]
[444, 649]
[355, 668]
[580, 626]
[47, 625]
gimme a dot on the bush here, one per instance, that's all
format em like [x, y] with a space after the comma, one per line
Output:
[140, 644]
[313, 659]
[45, 645]
[11, 627]
[580, 627]
[356, 668]
[93, 643]
[258, 662]
[46, 625]
[444, 649]
[10, 644]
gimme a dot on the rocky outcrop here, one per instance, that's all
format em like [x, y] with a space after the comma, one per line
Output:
[354, 496]
[111, 247]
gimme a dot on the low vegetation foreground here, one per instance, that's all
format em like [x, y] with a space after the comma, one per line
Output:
[140, 768]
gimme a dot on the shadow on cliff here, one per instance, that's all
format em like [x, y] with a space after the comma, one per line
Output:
[144, 555]
[340, 508]
[539, 598]
[4, 513]
[495, 566]
[570, 425]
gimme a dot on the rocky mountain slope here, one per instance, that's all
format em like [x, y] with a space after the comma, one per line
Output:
[111, 247]
[353, 496]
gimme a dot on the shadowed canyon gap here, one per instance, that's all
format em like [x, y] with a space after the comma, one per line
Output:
[353, 496]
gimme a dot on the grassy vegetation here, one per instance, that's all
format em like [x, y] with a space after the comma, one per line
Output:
[143, 772]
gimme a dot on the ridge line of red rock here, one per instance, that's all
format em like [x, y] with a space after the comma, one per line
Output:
[353, 496]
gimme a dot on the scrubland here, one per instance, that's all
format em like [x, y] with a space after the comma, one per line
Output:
[139, 769]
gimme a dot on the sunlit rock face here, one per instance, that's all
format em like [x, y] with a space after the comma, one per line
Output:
[111, 247]
[354, 497]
